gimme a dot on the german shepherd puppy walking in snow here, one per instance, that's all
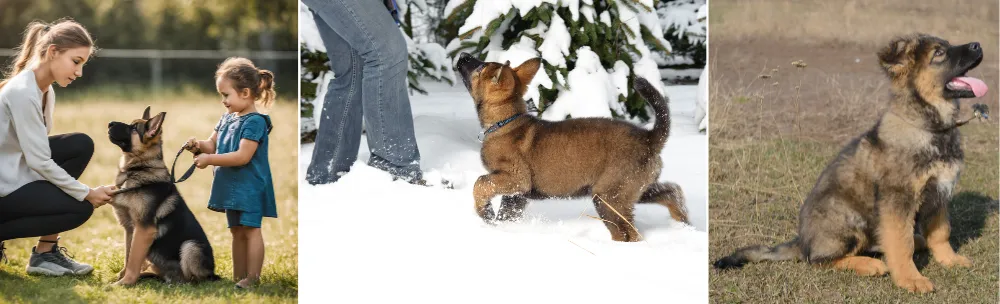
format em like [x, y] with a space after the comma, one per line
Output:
[615, 162]
[888, 190]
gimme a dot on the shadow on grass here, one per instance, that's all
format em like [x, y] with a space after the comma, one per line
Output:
[967, 212]
[14, 289]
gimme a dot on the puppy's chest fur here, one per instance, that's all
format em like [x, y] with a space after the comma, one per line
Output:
[152, 199]
[919, 158]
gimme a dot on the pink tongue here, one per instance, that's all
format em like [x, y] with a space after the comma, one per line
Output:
[978, 86]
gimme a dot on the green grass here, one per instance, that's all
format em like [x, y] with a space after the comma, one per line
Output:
[757, 189]
[99, 242]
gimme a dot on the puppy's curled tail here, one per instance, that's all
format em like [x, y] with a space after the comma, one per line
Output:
[783, 252]
[661, 129]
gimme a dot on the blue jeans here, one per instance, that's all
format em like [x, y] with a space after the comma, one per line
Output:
[368, 57]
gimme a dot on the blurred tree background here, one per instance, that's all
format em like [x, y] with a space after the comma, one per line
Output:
[224, 25]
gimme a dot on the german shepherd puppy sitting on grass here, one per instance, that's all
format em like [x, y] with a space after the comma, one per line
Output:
[889, 189]
[526, 157]
[159, 227]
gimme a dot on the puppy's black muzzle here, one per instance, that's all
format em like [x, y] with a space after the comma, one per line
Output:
[120, 134]
[969, 56]
[466, 66]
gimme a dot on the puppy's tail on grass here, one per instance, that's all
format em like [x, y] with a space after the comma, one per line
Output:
[661, 129]
[783, 252]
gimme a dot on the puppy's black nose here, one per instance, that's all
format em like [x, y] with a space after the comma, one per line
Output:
[974, 46]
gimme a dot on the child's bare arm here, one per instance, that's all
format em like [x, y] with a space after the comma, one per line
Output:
[208, 145]
[236, 158]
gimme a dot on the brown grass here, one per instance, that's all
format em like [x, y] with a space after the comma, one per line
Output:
[853, 22]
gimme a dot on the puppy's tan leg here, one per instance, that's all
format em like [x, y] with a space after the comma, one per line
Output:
[128, 247]
[491, 185]
[142, 238]
[895, 234]
[938, 231]
[862, 265]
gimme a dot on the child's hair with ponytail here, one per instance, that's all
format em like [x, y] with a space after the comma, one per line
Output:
[64, 34]
[245, 75]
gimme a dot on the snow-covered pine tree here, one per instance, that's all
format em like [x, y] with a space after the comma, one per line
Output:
[592, 50]
[427, 60]
[684, 31]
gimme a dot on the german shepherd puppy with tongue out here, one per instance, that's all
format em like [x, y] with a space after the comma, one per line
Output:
[888, 189]
[614, 162]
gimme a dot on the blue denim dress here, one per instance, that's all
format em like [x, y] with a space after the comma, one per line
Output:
[248, 189]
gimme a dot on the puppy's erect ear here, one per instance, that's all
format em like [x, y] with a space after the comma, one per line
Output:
[897, 55]
[496, 78]
[526, 71]
[153, 125]
[145, 114]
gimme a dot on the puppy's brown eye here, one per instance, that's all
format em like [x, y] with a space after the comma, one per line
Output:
[939, 53]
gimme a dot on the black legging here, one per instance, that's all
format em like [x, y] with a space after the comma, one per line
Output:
[41, 208]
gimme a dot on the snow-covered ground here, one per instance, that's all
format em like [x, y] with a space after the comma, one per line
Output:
[367, 239]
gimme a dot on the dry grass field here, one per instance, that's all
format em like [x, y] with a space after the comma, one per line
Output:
[774, 126]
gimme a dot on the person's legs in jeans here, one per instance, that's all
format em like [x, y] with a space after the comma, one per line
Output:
[368, 28]
[339, 133]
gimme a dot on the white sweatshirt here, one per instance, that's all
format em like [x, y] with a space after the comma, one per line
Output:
[25, 155]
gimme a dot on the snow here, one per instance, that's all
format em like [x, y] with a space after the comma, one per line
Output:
[592, 92]
[675, 74]
[438, 57]
[685, 16]
[450, 7]
[372, 240]
[308, 34]
[555, 44]
[702, 104]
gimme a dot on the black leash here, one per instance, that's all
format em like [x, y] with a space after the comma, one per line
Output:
[173, 180]
[187, 173]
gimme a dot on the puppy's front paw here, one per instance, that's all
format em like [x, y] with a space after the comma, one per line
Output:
[955, 260]
[509, 214]
[918, 283]
[125, 282]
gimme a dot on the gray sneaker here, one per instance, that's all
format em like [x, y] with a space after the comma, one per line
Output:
[56, 263]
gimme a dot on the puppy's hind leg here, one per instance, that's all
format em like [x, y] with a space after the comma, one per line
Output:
[669, 195]
[194, 262]
[616, 209]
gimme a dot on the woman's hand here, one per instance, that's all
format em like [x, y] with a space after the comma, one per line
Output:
[100, 196]
[203, 160]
